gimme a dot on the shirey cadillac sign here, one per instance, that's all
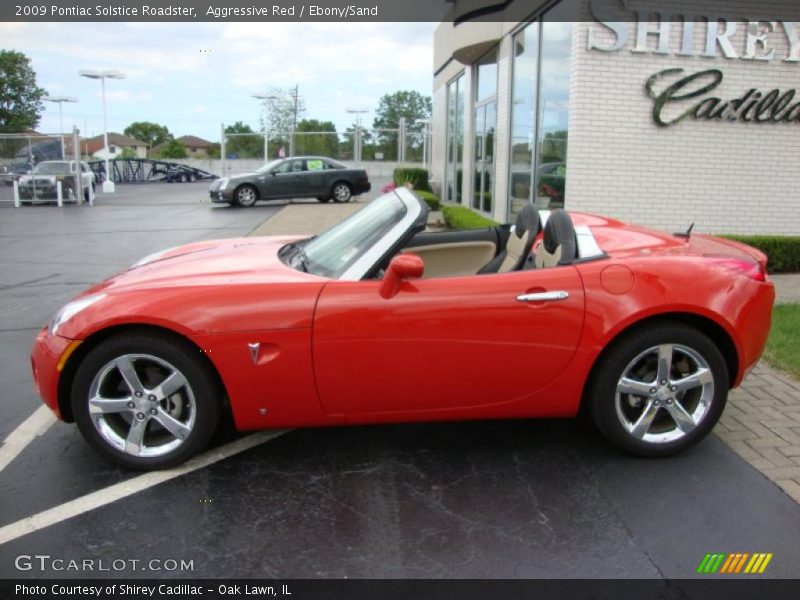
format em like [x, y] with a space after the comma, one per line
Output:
[651, 32]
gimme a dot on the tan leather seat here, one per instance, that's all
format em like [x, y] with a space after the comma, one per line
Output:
[559, 245]
[520, 241]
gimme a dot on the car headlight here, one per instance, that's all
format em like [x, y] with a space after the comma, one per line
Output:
[151, 257]
[223, 183]
[70, 310]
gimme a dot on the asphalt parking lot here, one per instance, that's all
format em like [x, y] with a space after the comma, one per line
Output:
[520, 499]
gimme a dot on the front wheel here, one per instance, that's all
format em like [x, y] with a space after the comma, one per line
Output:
[341, 192]
[245, 196]
[659, 390]
[145, 401]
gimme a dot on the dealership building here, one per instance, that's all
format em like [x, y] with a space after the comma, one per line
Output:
[660, 113]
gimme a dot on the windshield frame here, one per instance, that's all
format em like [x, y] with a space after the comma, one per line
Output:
[414, 219]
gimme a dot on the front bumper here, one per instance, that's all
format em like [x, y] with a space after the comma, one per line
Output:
[46, 355]
[221, 196]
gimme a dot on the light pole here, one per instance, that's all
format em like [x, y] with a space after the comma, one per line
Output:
[60, 101]
[108, 185]
[357, 112]
[266, 98]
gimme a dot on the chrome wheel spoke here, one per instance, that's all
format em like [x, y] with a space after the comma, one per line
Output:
[126, 368]
[664, 362]
[682, 419]
[644, 421]
[171, 424]
[171, 384]
[135, 439]
[697, 379]
[104, 406]
[627, 385]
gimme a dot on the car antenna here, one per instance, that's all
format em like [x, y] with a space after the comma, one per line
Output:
[685, 234]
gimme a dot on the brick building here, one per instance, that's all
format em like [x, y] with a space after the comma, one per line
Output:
[661, 113]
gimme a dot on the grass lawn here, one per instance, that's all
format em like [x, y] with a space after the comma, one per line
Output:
[783, 345]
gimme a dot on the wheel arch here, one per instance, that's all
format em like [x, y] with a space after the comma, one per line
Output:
[248, 184]
[715, 332]
[71, 366]
[344, 181]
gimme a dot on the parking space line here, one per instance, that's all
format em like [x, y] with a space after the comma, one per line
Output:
[123, 489]
[31, 428]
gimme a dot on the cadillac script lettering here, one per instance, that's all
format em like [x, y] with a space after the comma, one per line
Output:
[753, 106]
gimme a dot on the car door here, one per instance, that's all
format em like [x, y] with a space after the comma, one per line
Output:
[315, 178]
[445, 344]
[288, 179]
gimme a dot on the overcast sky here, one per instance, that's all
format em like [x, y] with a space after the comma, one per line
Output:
[193, 76]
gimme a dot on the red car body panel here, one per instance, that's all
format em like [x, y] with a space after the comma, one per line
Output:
[332, 352]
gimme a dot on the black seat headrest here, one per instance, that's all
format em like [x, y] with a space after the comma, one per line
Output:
[559, 231]
[527, 220]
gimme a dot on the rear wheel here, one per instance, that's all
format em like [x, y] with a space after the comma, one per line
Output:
[659, 390]
[245, 195]
[145, 401]
[341, 192]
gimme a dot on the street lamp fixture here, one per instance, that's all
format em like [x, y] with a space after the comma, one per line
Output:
[108, 185]
[266, 98]
[60, 101]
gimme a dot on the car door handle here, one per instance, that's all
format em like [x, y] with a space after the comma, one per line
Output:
[543, 296]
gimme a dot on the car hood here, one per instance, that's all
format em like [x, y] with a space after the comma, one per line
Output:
[217, 262]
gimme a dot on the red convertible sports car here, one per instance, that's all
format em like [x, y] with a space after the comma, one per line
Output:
[377, 321]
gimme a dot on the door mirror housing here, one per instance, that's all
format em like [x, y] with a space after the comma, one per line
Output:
[401, 268]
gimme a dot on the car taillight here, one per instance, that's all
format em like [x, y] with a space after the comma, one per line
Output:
[748, 268]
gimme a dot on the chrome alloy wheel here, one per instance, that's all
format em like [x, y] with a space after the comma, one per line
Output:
[142, 405]
[664, 393]
[246, 196]
[341, 193]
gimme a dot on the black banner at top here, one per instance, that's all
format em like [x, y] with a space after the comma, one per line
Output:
[225, 10]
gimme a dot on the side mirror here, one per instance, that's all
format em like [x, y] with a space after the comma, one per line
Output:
[273, 173]
[401, 267]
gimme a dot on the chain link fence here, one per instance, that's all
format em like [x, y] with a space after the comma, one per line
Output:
[244, 152]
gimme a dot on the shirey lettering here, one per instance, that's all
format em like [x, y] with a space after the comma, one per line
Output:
[753, 106]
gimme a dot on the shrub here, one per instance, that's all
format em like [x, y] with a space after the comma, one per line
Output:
[460, 217]
[431, 199]
[783, 250]
[415, 176]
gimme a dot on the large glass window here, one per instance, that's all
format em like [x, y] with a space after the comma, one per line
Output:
[454, 139]
[483, 136]
[540, 111]
[551, 161]
[523, 116]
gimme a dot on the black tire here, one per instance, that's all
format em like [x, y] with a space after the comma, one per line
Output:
[702, 403]
[323, 199]
[192, 177]
[201, 396]
[341, 192]
[184, 179]
[245, 196]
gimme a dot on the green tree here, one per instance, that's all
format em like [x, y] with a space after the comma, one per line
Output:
[20, 97]
[172, 149]
[151, 134]
[127, 153]
[246, 145]
[408, 104]
[312, 142]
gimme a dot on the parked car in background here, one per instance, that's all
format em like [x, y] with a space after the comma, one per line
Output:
[11, 172]
[379, 321]
[41, 184]
[297, 177]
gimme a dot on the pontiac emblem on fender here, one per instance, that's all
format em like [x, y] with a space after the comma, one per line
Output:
[254, 348]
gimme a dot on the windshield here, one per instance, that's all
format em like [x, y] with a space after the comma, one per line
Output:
[270, 165]
[52, 168]
[333, 252]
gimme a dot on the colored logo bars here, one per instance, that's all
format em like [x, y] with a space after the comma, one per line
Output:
[739, 562]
